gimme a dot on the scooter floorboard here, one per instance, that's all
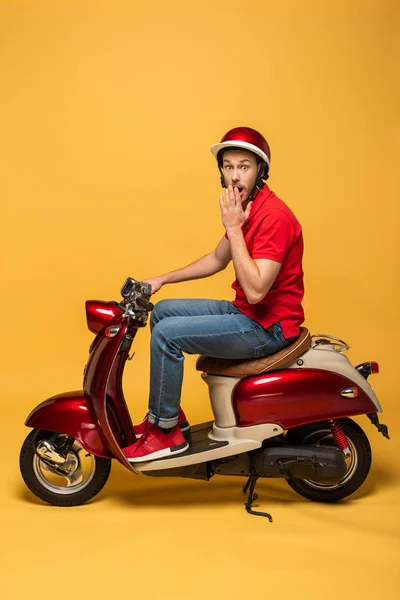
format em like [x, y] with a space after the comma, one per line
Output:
[198, 440]
[205, 446]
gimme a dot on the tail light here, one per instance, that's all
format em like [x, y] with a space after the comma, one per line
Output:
[368, 368]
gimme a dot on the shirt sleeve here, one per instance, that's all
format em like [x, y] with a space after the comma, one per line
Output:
[274, 237]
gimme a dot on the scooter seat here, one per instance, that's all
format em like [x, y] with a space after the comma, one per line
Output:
[238, 367]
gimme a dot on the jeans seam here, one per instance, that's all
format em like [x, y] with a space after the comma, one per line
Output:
[161, 377]
[240, 332]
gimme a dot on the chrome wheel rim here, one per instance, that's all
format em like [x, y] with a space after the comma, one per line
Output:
[75, 481]
[325, 438]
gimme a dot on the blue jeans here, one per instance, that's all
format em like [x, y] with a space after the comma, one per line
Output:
[198, 326]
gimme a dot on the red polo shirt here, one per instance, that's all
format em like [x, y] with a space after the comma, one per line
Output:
[272, 231]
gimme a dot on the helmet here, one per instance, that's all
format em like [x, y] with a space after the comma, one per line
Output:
[246, 138]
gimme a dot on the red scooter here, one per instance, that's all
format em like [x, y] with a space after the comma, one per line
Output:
[285, 415]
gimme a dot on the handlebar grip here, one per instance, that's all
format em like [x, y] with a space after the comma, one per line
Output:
[144, 303]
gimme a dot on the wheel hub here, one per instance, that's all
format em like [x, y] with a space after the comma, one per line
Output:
[55, 461]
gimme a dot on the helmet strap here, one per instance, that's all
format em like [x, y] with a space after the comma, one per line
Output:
[259, 184]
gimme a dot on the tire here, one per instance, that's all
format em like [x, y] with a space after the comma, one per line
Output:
[34, 472]
[358, 464]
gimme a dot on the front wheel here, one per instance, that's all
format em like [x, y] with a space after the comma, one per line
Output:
[358, 464]
[77, 481]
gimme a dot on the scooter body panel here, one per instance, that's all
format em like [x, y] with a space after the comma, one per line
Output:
[294, 397]
[99, 314]
[326, 358]
[69, 413]
[103, 384]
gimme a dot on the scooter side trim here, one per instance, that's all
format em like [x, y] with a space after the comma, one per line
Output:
[257, 433]
[238, 440]
[109, 432]
[69, 413]
[326, 358]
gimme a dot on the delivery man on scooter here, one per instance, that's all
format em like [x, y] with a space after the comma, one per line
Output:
[264, 240]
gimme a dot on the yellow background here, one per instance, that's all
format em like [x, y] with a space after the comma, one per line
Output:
[108, 110]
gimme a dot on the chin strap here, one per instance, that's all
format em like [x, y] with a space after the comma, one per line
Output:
[261, 178]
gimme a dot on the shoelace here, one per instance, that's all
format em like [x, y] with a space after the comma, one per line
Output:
[145, 434]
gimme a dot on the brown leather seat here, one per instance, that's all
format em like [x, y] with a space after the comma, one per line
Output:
[238, 367]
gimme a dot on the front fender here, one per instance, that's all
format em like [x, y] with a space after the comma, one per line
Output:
[69, 413]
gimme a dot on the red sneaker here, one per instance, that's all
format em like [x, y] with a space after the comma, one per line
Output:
[182, 422]
[154, 443]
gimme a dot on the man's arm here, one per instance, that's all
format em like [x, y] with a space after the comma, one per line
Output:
[207, 265]
[255, 275]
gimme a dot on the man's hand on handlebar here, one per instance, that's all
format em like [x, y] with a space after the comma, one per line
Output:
[155, 282]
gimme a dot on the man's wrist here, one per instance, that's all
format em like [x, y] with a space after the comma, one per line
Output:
[164, 279]
[234, 231]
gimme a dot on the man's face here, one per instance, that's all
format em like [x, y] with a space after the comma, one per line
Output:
[240, 170]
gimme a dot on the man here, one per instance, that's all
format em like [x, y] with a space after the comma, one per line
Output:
[264, 240]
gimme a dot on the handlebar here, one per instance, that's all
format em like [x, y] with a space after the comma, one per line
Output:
[144, 303]
[138, 293]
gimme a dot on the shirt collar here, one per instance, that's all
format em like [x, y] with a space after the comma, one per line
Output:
[260, 199]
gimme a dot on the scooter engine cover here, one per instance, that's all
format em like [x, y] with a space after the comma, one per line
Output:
[322, 465]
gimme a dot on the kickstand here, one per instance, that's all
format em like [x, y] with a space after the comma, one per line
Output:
[251, 483]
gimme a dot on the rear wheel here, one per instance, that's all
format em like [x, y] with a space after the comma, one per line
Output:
[73, 483]
[358, 464]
